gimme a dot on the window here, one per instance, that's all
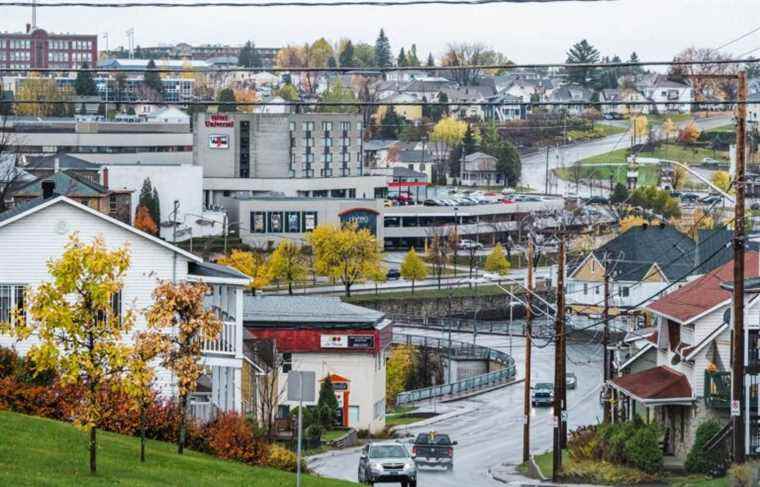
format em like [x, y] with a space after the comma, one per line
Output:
[11, 298]
[292, 126]
[287, 362]
[625, 291]
[326, 126]
[585, 288]
[115, 308]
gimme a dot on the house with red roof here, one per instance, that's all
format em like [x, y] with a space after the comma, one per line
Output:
[686, 377]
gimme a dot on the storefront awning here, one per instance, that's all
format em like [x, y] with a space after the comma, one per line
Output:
[658, 386]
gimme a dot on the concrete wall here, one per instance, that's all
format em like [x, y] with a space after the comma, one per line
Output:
[464, 369]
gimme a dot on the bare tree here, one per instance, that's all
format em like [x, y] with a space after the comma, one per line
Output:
[11, 175]
[270, 390]
[470, 54]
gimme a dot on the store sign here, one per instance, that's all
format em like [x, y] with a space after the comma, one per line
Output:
[218, 141]
[220, 120]
[364, 218]
[347, 341]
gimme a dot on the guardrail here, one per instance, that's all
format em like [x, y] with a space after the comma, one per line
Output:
[457, 349]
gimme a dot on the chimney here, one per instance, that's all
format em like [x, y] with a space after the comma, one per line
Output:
[56, 165]
[104, 181]
[48, 189]
[28, 28]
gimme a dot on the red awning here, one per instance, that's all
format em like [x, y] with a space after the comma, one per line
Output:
[656, 386]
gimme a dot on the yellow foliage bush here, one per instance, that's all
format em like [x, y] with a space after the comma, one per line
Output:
[604, 473]
[281, 458]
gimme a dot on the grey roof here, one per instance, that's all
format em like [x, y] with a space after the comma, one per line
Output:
[66, 183]
[379, 144]
[208, 269]
[477, 155]
[65, 162]
[714, 248]
[415, 155]
[21, 208]
[572, 93]
[405, 172]
[307, 311]
[637, 249]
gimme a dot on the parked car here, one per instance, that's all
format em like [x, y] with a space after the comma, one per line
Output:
[469, 245]
[755, 206]
[689, 198]
[597, 200]
[543, 394]
[393, 274]
[434, 449]
[430, 202]
[711, 200]
[387, 461]
[571, 381]
[676, 194]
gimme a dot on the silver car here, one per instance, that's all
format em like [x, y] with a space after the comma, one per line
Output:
[387, 461]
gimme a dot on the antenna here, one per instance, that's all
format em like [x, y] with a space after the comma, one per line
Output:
[131, 38]
[34, 14]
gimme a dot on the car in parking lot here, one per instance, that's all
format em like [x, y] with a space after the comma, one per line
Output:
[711, 200]
[387, 461]
[542, 394]
[465, 244]
[689, 198]
[430, 202]
[597, 200]
[393, 274]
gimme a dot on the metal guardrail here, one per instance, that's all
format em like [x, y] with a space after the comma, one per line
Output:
[457, 349]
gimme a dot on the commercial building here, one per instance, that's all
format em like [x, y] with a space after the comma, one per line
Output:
[36, 48]
[347, 344]
[101, 142]
[267, 220]
[207, 52]
[295, 154]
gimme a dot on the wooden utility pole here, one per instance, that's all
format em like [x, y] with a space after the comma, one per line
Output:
[559, 364]
[605, 342]
[528, 347]
[737, 389]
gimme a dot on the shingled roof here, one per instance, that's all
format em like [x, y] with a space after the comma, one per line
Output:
[655, 385]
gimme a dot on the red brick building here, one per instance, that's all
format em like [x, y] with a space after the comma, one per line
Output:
[36, 48]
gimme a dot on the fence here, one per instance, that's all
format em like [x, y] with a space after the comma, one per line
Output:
[457, 349]
[226, 343]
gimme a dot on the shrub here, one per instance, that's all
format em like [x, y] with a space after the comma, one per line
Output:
[230, 437]
[699, 460]
[604, 473]
[583, 443]
[314, 431]
[741, 475]
[281, 458]
[9, 362]
[643, 449]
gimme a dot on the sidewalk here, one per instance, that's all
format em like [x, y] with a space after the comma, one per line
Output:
[508, 474]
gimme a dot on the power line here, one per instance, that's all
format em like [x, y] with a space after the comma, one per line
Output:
[382, 69]
[338, 3]
[733, 41]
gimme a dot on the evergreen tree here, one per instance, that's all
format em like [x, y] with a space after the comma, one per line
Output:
[327, 404]
[244, 59]
[635, 59]
[581, 53]
[149, 200]
[226, 96]
[402, 61]
[391, 124]
[155, 210]
[619, 193]
[469, 144]
[152, 78]
[413, 59]
[84, 84]
[346, 57]
[331, 62]
[430, 61]
[383, 50]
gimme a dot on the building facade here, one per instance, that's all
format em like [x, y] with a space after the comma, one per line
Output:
[36, 48]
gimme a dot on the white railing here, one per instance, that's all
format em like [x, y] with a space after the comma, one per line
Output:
[226, 343]
[201, 408]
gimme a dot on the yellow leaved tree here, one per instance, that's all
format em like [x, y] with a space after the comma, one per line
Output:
[497, 261]
[79, 327]
[631, 221]
[252, 264]
[413, 268]
[180, 324]
[288, 264]
[722, 179]
[399, 371]
[141, 377]
[670, 129]
[640, 127]
[345, 253]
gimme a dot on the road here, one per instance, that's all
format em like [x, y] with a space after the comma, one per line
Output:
[534, 165]
[490, 434]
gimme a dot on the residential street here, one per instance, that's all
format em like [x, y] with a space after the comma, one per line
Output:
[534, 166]
[490, 431]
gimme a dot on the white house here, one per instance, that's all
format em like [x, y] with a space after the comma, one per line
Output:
[42, 228]
[169, 114]
[667, 96]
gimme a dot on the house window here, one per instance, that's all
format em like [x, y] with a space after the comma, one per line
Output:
[287, 362]
[585, 288]
[625, 291]
[11, 298]
[115, 307]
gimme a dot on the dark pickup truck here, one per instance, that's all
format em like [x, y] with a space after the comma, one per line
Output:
[434, 449]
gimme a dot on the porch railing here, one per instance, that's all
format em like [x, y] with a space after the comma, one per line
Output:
[718, 390]
[226, 343]
[201, 408]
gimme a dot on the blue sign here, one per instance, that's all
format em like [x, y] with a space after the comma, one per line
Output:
[364, 218]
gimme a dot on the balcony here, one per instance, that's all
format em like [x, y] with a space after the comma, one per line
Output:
[718, 390]
[226, 343]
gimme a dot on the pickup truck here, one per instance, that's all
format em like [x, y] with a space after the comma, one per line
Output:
[434, 449]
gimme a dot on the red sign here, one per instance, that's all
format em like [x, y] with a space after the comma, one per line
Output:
[407, 184]
[220, 120]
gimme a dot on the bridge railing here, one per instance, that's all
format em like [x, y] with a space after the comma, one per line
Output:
[457, 349]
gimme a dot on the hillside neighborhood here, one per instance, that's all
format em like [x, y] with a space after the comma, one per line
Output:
[378, 258]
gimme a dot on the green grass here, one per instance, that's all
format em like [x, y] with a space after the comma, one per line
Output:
[427, 293]
[698, 481]
[333, 435]
[675, 117]
[401, 419]
[648, 175]
[724, 128]
[686, 155]
[36, 451]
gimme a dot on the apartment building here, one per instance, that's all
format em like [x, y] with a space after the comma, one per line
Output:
[36, 48]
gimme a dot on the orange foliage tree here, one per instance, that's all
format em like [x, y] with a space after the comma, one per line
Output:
[144, 222]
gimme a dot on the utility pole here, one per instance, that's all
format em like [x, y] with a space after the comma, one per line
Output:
[605, 342]
[528, 349]
[737, 383]
[559, 365]
[546, 182]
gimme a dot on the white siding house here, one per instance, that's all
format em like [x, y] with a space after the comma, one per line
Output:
[39, 231]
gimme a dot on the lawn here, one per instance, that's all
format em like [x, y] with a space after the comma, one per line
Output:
[400, 420]
[37, 451]
[724, 128]
[333, 435]
[428, 293]
[675, 117]
[686, 155]
[648, 175]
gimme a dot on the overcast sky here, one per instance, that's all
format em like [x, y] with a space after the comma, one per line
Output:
[542, 32]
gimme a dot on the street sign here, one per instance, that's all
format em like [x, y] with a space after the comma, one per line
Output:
[736, 409]
[308, 390]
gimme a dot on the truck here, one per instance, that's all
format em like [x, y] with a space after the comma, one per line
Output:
[434, 449]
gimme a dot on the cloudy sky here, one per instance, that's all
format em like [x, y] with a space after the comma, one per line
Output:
[541, 32]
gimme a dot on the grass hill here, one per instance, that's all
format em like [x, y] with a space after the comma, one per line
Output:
[37, 451]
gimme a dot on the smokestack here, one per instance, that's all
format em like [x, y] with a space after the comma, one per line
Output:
[28, 27]
[105, 177]
[48, 189]
[56, 165]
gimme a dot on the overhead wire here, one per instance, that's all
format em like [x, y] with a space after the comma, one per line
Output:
[248, 4]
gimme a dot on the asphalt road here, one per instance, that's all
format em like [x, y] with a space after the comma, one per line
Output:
[534, 166]
[490, 433]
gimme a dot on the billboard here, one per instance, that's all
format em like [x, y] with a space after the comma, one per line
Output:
[365, 218]
[218, 141]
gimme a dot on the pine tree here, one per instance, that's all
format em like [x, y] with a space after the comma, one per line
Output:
[152, 78]
[382, 50]
[327, 404]
[331, 62]
[402, 61]
[155, 209]
[391, 124]
[413, 59]
[84, 84]
[244, 59]
[581, 53]
[469, 144]
[149, 200]
[430, 61]
[347, 55]
[226, 96]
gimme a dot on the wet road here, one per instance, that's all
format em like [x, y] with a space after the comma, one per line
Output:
[490, 434]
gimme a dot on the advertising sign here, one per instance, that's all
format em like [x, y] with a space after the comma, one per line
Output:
[365, 218]
[259, 223]
[347, 341]
[220, 120]
[293, 222]
[275, 222]
[309, 221]
[333, 341]
[361, 341]
[217, 141]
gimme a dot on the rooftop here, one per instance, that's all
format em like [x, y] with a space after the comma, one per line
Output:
[655, 385]
[306, 311]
